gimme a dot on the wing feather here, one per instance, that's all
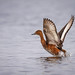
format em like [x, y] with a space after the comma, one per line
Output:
[50, 32]
[65, 29]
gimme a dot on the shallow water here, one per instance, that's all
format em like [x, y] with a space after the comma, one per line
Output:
[20, 52]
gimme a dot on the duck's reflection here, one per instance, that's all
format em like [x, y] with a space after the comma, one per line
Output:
[50, 64]
[52, 59]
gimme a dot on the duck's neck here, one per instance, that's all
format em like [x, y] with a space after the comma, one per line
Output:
[43, 42]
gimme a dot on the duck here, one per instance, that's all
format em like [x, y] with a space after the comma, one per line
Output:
[54, 40]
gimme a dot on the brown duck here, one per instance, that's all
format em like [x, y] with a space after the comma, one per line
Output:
[54, 41]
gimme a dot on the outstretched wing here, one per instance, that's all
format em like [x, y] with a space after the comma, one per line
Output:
[65, 29]
[50, 32]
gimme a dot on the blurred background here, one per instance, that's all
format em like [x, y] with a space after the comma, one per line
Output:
[21, 52]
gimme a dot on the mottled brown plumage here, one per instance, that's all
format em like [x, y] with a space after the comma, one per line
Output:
[54, 41]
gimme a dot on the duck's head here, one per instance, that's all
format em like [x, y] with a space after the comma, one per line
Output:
[38, 32]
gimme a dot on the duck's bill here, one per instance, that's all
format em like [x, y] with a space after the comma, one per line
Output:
[33, 34]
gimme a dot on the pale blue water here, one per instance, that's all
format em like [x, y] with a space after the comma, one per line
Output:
[20, 52]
